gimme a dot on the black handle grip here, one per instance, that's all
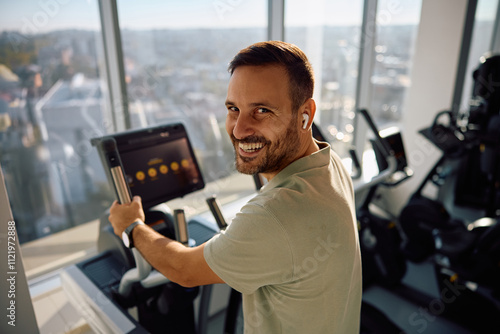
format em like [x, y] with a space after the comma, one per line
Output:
[381, 143]
[214, 206]
[356, 164]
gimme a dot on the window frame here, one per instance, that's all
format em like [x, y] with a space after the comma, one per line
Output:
[463, 69]
[115, 69]
[495, 40]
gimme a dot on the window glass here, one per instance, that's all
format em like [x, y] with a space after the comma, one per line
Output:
[482, 34]
[329, 33]
[396, 31]
[176, 55]
[51, 104]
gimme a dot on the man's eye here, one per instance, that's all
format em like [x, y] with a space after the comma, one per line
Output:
[263, 110]
[233, 109]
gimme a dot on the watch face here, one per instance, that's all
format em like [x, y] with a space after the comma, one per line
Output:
[126, 240]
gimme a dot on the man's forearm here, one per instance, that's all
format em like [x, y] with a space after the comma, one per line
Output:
[180, 264]
[161, 252]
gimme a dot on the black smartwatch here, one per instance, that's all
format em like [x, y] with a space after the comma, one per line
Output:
[127, 234]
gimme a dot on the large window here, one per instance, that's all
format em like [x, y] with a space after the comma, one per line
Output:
[51, 104]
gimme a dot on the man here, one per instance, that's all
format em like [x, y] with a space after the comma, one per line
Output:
[293, 250]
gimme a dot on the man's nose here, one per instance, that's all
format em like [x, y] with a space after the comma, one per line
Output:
[244, 126]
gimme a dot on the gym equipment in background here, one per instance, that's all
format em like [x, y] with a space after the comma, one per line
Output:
[379, 236]
[421, 214]
[467, 261]
[478, 180]
[470, 163]
[465, 251]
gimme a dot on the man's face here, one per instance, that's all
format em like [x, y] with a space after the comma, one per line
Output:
[260, 122]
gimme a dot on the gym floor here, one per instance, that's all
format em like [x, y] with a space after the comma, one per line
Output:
[412, 314]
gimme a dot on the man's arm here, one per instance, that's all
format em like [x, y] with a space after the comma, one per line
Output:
[180, 264]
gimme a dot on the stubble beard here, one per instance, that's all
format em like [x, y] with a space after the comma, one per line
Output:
[277, 156]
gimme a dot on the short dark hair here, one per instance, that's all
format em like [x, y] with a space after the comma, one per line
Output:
[294, 60]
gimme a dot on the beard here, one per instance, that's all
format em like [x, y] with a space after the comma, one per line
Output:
[274, 155]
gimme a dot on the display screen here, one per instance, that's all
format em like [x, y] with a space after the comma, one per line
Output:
[167, 168]
[158, 163]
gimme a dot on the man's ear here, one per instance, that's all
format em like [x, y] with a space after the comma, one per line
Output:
[307, 112]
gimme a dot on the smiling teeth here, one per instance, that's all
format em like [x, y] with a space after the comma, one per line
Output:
[252, 147]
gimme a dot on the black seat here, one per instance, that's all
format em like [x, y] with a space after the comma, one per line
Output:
[455, 244]
[474, 255]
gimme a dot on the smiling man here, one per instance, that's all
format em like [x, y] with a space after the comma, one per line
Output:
[293, 250]
[258, 99]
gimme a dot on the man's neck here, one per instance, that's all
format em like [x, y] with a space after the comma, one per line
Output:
[308, 149]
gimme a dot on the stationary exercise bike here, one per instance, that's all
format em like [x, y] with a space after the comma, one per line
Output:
[380, 239]
[465, 253]
[470, 257]
[469, 164]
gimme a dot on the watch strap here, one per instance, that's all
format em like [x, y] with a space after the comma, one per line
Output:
[129, 229]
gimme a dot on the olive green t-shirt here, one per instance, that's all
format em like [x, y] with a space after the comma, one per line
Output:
[293, 251]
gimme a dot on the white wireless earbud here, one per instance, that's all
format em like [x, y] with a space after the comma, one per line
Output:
[305, 118]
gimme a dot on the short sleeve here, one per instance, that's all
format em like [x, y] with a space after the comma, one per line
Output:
[254, 251]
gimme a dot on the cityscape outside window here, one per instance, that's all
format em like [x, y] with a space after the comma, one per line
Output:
[396, 32]
[51, 104]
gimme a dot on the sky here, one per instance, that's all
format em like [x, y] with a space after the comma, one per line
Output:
[46, 15]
